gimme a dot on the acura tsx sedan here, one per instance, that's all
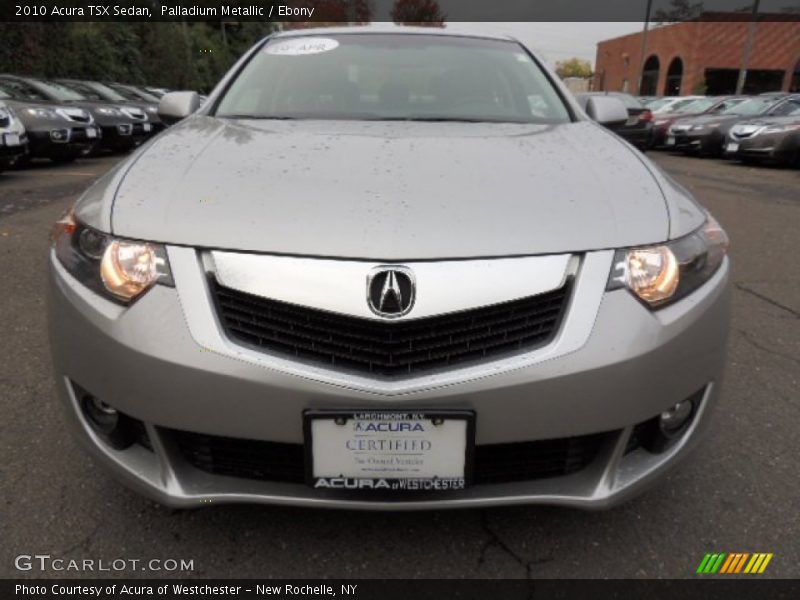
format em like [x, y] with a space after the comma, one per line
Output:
[388, 269]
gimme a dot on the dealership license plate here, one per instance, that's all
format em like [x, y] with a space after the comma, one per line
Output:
[147, 127]
[91, 133]
[732, 147]
[12, 139]
[671, 140]
[389, 450]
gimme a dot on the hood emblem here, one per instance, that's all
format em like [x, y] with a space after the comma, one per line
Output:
[391, 290]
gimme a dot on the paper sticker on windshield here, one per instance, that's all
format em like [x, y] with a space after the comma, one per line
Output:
[302, 46]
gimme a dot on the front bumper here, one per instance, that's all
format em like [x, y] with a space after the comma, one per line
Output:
[777, 147]
[74, 141]
[145, 362]
[702, 142]
[10, 152]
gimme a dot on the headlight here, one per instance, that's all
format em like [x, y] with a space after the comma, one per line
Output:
[660, 121]
[781, 128]
[109, 112]
[119, 269]
[42, 113]
[151, 109]
[659, 275]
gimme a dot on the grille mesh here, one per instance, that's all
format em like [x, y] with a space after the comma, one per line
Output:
[390, 348]
[281, 462]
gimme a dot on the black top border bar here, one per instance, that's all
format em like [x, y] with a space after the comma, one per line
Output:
[406, 11]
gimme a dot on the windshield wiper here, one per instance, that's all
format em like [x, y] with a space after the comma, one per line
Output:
[444, 120]
[263, 117]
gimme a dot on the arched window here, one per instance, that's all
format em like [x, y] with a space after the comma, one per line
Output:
[649, 77]
[674, 75]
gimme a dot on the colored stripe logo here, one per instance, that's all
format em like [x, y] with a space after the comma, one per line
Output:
[734, 563]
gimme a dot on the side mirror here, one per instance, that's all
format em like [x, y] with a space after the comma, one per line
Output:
[175, 106]
[606, 110]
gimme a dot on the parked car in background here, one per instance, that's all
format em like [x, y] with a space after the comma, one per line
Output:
[94, 90]
[13, 140]
[702, 106]
[638, 129]
[768, 139]
[60, 133]
[117, 126]
[706, 134]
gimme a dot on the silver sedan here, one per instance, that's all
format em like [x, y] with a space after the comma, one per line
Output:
[388, 269]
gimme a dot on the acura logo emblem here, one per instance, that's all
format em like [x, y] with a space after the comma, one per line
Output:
[390, 290]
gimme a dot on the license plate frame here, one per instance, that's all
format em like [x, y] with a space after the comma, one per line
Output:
[670, 140]
[91, 133]
[731, 147]
[376, 482]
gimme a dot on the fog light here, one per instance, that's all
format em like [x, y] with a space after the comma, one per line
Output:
[672, 421]
[113, 427]
[103, 418]
[59, 135]
[662, 431]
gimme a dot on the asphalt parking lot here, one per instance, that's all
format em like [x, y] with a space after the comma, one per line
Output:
[738, 493]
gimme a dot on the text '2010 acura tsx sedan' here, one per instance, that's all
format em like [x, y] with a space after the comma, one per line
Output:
[388, 269]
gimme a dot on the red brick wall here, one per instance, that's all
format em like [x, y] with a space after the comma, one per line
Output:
[700, 45]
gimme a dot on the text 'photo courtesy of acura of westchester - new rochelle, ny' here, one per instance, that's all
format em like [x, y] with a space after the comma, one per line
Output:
[389, 268]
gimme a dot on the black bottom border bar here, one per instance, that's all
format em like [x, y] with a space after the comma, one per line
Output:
[716, 588]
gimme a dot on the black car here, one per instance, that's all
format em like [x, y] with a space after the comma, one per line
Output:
[768, 139]
[117, 127]
[149, 123]
[638, 129]
[60, 133]
[13, 139]
[705, 135]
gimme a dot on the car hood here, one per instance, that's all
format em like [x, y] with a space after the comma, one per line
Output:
[381, 190]
[784, 120]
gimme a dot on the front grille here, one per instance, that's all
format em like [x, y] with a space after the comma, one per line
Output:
[281, 462]
[390, 348]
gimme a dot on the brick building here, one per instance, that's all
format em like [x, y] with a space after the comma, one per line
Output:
[703, 56]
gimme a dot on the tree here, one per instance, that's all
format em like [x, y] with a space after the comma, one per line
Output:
[681, 10]
[418, 12]
[574, 67]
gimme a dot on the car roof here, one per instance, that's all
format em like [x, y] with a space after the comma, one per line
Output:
[392, 28]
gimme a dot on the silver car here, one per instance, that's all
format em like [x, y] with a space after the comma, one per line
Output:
[388, 269]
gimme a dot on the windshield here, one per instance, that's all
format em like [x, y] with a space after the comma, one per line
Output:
[93, 89]
[393, 77]
[83, 90]
[58, 91]
[131, 93]
[698, 106]
[752, 106]
[679, 105]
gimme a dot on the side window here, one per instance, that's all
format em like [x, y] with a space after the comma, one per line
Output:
[786, 108]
